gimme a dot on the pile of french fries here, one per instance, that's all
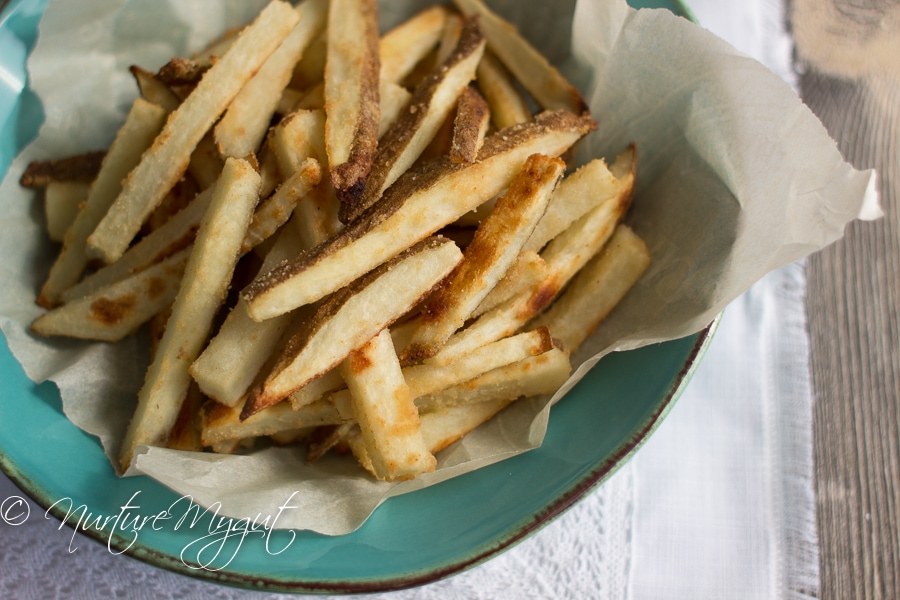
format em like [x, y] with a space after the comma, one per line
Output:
[365, 242]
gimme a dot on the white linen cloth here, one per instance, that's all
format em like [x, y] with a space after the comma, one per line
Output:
[718, 504]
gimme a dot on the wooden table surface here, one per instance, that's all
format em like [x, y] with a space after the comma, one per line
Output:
[854, 300]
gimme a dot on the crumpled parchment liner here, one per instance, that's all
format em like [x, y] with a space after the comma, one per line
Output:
[735, 178]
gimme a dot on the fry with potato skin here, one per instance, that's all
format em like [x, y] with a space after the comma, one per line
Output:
[353, 315]
[488, 257]
[470, 125]
[351, 94]
[81, 167]
[508, 107]
[203, 288]
[440, 189]
[431, 104]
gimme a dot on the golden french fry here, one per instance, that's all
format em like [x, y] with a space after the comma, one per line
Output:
[172, 236]
[206, 280]
[542, 80]
[310, 70]
[599, 286]
[453, 26]
[117, 310]
[495, 247]
[469, 126]
[565, 255]
[62, 201]
[583, 190]
[141, 126]
[544, 373]
[527, 272]
[404, 46]
[244, 124]
[384, 409]
[394, 99]
[417, 205]
[275, 210]
[355, 314]
[351, 94]
[82, 167]
[299, 136]
[508, 107]
[224, 424]
[430, 106]
[168, 158]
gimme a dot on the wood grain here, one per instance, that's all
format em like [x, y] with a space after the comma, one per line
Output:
[854, 320]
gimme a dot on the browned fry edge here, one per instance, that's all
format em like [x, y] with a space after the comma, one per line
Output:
[81, 167]
[472, 117]
[416, 180]
[181, 71]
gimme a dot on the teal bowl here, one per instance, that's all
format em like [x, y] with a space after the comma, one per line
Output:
[476, 516]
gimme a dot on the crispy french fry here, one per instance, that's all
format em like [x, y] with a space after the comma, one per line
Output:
[223, 423]
[319, 387]
[355, 314]
[179, 72]
[526, 272]
[274, 212]
[168, 158]
[82, 167]
[244, 124]
[565, 255]
[583, 190]
[141, 126]
[599, 286]
[542, 80]
[299, 136]
[384, 409]
[351, 94]
[430, 106]
[117, 310]
[206, 280]
[469, 126]
[453, 26]
[229, 363]
[394, 99]
[495, 247]
[532, 376]
[174, 235]
[417, 205]
[62, 201]
[508, 107]
[404, 46]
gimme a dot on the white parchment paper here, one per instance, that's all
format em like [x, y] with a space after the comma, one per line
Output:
[736, 177]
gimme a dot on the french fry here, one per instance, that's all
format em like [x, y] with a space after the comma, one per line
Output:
[384, 409]
[205, 165]
[351, 94]
[495, 247]
[532, 376]
[174, 235]
[182, 72]
[205, 282]
[153, 90]
[353, 315]
[430, 106]
[299, 136]
[597, 289]
[62, 201]
[469, 126]
[527, 272]
[141, 126]
[232, 359]
[187, 429]
[420, 203]
[508, 107]
[223, 423]
[310, 69]
[394, 99]
[117, 310]
[453, 26]
[165, 162]
[583, 190]
[404, 46]
[273, 212]
[244, 124]
[318, 388]
[82, 167]
[542, 80]
[565, 255]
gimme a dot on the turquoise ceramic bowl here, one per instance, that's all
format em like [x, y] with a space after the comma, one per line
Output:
[475, 516]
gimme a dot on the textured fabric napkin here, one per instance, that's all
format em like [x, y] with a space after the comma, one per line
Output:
[718, 504]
